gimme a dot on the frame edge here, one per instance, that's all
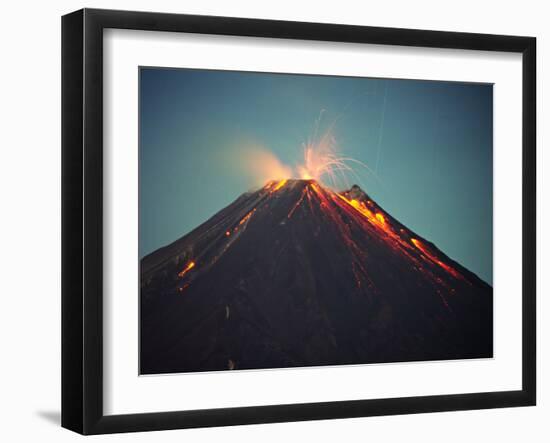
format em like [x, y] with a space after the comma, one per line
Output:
[82, 194]
[72, 221]
[529, 210]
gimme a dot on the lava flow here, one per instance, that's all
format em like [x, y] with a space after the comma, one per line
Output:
[310, 277]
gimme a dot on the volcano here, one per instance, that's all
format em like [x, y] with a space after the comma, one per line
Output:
[296, 274]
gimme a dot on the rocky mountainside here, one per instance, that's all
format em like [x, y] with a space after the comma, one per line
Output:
[296, 274]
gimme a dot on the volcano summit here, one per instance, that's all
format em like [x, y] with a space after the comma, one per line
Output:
[295, 274]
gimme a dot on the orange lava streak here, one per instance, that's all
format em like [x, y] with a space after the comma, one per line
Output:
[356, 204]
[304, 191]
[185, 270]
[247, 217]
[315, 187]
[378, 221]
[433, 258]
[329, 210]
[279, 185]
[377, 218]
[380, 218]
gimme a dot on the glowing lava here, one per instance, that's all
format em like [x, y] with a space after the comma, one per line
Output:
[294, 268]
[354, 216]
[433, 258]
[395, 238]
[187, 268]
[247, 217]
[323, 163]
[279, 185]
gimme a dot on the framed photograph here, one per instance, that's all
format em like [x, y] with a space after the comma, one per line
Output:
[269, 221]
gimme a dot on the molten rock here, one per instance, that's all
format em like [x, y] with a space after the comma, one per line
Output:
[295, 274]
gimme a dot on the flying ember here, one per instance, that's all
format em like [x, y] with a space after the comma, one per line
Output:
[322, 161]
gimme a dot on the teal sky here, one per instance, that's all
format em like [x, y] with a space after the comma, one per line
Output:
[430, 144]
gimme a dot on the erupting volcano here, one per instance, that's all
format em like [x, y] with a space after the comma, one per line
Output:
[296, 274]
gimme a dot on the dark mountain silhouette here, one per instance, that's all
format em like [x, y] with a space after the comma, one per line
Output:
[295, 274]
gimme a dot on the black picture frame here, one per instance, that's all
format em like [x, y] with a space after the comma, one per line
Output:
[82, 220]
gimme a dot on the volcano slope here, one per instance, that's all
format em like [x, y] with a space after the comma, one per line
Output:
[295, 274]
